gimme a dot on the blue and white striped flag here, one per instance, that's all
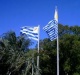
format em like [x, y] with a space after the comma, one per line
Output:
[31, 32]
[52, 27]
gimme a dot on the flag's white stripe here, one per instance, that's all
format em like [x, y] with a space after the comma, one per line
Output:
[29, 34]
[50, 21]
[25, 30]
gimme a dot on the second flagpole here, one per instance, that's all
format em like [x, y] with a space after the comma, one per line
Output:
[56, 18]
[38, 51]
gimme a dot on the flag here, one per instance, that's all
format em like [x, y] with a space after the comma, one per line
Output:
[56, 15]
[31, 32]
[52, 27]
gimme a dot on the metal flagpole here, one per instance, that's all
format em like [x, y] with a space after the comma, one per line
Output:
[49, 28]
[32, 63]
[38, 52]
[56, 14]
[57, 55]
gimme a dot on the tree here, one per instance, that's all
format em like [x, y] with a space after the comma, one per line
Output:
[13, 54]
[69, 51]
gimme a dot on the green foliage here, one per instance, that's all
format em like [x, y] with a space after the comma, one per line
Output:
[76, 74]
[69, 52]
[14, 54]
[16, 58]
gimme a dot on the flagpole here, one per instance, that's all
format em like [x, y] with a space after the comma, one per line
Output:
[57, 46]
[57, 55]
[32, 63]
[38, 52]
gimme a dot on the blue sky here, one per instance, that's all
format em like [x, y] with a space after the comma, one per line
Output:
[17, 13]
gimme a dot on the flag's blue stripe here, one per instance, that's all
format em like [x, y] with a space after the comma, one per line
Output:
[30, 36]
[26, 29]
[29, 32]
